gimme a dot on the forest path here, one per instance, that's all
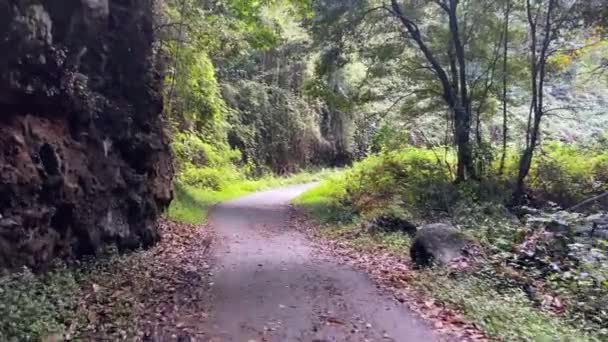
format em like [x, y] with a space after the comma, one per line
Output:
[269, 283]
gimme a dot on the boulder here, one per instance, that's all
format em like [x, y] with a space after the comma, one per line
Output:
[439, 243]
[84, 158]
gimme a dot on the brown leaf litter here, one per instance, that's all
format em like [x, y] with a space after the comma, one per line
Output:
[154, 295]
[392, 273]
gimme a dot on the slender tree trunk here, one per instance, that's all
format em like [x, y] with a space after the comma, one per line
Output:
[457, 102]
[462, 122]
[538, 69]
[453, 67]
[462, 110]
[505, 77]
[459, 49]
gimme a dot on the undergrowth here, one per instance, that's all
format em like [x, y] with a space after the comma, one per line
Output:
[49, 306]
[507, 315]
[417, 184]
[33, 307]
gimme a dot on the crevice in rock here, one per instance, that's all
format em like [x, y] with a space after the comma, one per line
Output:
[50, 160]
[63, 218]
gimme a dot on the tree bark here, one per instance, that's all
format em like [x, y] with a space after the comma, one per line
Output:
[458, 103]
[588, 201]
[505, 77]
[538, 63]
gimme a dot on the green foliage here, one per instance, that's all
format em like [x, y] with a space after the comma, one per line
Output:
[32, 308]
[567, 174]
[419, 182]
[416, 184]
[325, 201]
[273, 127]
[193, 98]
[389, 138]
[191, 92]
[260, 51]
[411, 183]
[505, 314]
[412, 177]
[190, 147]
[204, 165]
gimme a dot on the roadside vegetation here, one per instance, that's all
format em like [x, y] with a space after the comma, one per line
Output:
[512, 293]
[484, 130]
[494, 126]
[113, 296]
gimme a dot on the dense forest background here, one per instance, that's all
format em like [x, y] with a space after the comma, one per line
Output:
[490, 115]
[502, 88]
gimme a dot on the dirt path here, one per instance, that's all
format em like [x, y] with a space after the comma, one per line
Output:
[270, 284]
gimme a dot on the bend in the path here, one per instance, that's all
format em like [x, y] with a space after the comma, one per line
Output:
[270, 284]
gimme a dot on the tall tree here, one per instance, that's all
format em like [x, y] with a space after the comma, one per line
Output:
[505, 80]
[546, 20]
[455, 89]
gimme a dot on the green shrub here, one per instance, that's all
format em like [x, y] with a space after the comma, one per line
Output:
[412, 177]
[209, 178]
[419, 182]
[32, 308]
[567, 174]
[191, 148]
[326, 201]
[204, 165]
[389, 138]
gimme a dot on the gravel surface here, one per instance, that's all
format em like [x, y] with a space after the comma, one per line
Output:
[268, 283]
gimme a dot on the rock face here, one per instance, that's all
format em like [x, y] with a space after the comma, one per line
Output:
[84, 161]
[438, 242]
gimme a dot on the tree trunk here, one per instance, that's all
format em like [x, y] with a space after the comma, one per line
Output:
[505, 70]
[459, 49]
[538, 64]
[462, 122]
[526, 160]
[460, 106]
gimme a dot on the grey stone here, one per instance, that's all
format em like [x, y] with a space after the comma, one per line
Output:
[558, 226]
[439, 243]
[538, 221]
[583, 229]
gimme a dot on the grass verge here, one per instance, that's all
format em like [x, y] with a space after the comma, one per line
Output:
[501, 312]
